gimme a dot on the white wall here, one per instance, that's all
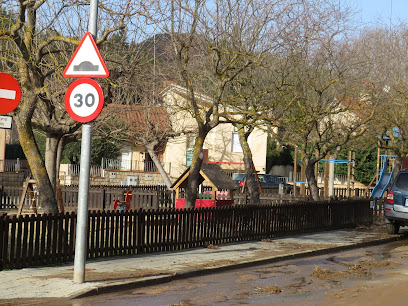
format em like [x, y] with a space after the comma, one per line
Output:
[218, 141]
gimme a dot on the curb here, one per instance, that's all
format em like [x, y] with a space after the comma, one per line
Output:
[162, 279]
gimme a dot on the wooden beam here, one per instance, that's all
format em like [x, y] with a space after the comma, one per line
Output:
[295, 172]
[349, 175]
[28, 185]
[181, 180]
[326, 176]
[303, 178]
[21, 204]
[208, 180]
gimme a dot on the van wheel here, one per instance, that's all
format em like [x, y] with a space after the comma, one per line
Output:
[393, 228]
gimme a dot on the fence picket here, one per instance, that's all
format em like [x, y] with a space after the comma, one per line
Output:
[24, 238]
[11, 253]
[111, 230]
[19, 241]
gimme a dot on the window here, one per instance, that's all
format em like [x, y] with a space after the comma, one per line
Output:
[235, 144]
[402, 181]
[190, 142]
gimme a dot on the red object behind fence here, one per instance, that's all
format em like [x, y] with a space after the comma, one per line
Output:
[202, 203]
[124, 205]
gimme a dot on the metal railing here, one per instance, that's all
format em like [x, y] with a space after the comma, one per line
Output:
[16, 166]
[94, 171]
[133, 165]
[339, 179]
[117, 164]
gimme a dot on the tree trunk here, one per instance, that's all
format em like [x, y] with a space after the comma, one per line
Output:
[46, 193]
[311, 179]
[397, 164]
[195, 167]
[159, 166]
[51, 153]
[251, 181]
[60, 149]
[32, 83]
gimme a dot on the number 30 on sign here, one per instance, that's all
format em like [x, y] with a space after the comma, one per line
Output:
[84, 100]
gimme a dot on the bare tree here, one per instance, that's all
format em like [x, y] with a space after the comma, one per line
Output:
[328, 108]
[213, 44]
[135, 113]
[253, 97]
[31, 50]
[140, 125]
[384, 52]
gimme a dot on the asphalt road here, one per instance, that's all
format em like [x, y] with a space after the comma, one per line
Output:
[366, 276]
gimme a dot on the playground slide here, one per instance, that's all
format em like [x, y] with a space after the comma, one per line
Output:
[383, 183]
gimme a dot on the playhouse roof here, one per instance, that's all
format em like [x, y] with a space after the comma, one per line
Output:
[211, 173]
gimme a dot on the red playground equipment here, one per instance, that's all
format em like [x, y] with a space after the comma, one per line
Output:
[123, 205]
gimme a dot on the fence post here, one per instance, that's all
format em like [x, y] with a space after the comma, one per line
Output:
[103, 198]
[141, 231]
[173, 199]
[2, 197]
[3, 241]
[155, 200]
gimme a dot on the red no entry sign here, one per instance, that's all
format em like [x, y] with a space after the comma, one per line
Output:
[10, 93]
[84, 100]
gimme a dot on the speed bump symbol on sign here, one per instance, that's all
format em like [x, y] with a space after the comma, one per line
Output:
[84, 100]
[87, 61]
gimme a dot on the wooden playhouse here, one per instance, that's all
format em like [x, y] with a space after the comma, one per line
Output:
[222, 187]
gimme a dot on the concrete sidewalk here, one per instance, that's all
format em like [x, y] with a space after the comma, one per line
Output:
[120, 273]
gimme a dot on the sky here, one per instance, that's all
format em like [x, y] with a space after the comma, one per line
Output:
[379, 12]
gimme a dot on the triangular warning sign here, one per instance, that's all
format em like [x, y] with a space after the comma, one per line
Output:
[86, 61]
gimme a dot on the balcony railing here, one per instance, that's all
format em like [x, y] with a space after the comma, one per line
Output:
[94, 171]
[133, 165]
[15, 165]
[21, 166]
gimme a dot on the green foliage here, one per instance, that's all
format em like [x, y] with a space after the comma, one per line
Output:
[100, 148]
[365, 167]
[339, 169]
[277, 156]
[71, 153]
[40, 141]
[366, 164]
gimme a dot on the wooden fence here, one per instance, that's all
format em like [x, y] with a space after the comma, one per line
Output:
[27, 241]
[148, 197]
[377, 205]
[10, 196]
[100, 198]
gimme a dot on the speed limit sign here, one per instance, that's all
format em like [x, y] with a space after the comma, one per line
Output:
[84, 100]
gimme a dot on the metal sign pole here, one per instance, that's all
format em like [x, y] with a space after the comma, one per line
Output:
[82, 214]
